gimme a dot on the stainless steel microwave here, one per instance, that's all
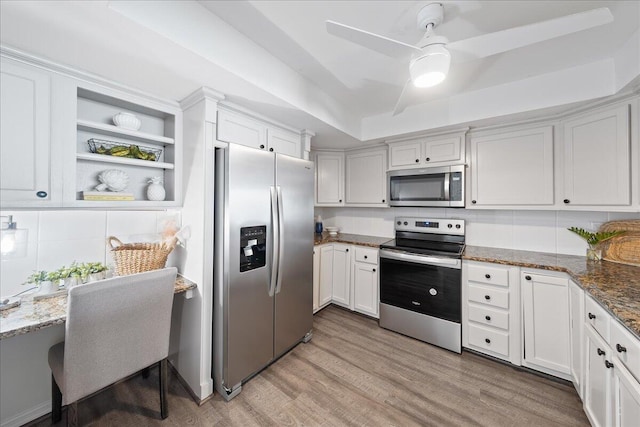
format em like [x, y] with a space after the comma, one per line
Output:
[440, 187]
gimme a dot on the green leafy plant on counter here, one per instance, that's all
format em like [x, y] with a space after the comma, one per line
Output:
[68, 272]
[593, 239]
[37, 277]
[53, 276]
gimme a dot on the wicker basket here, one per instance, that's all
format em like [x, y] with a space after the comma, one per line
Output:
[132, 258]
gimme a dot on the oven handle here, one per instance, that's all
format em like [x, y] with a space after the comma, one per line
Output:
[421, 259]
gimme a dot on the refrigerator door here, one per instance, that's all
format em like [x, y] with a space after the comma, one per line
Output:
[248, 308]
[294, 290]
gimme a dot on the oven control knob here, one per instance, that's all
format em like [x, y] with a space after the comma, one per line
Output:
[406, 223]
[433, 292]
[458, 226]
[399, 222]
[449, 226]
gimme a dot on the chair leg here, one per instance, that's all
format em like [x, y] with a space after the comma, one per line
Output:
[72, 414]
[56, 401]
[164, 386]
[146, 372]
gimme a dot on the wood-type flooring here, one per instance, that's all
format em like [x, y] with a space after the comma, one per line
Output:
[353, 373]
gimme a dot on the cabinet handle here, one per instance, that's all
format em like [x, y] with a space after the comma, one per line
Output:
[374, 270]
[383, 200]
[620, 348]
[487, 297]
[428, 159]
[346, 250]
[488, 276]
[487, 340]
[271, 149]
[608, 364]
[340, 201]
[600, 352]
[417, 160]
[488, 318]
[566, 201]
[365, 257]
[41, 194]
[591, 316]
[473, 201]
[262, 146]
[527, 277]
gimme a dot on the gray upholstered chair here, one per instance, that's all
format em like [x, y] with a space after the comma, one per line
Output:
[115, 327]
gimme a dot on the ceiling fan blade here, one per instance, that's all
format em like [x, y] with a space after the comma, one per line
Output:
[513, 38]
[381, 44]
[403, 100]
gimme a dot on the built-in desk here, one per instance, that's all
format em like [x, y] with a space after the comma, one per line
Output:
[31, 316]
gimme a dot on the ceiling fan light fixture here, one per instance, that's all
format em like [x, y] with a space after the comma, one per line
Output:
[430, 68]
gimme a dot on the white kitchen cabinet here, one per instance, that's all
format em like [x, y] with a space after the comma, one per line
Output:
[576, 314]
[597, 166]
[598, 397]
[491, 310]
[366, 178]
[329, 179]
[626, 391]
[512, 168]
[341, 289]
[240, 128]
[316, 279]
[437, 150]
[366, 292]
[25, 132]
[325, 288]
[547, 336]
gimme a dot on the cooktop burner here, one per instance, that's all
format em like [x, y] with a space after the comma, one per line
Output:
[438, 237]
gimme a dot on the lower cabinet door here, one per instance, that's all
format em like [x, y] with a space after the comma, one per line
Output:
[627, 398]
[325, 288]
[598, 402]
[316, 279]
[365, 289]
[341, 275]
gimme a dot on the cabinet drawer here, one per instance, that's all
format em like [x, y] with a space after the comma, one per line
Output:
[596, 316]
[489, 316]
[493, 341]
[626, 347]
[489, 296]
[369, 256]
[487, 274]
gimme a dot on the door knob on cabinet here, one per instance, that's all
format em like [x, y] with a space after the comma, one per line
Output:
[600, 352]
[262, 146]
[41, 194]
[591, 316]
[428, 159]
[487, 340]
[417, 160]
[346, 250]
[608, 364]
[566, 201]
[383, 200]
[271, 149]
[365, 257]
[487, 297]
[527, 277]
[374, 270]
[487, 276]
[620, 348]
[488, 318]
[340, 201]
[473, 201]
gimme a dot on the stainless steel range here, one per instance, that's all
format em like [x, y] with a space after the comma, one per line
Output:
[420, 280]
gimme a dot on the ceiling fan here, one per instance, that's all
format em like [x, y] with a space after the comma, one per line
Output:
[430, 58]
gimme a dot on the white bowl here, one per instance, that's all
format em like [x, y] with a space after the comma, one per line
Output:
[127, 121]
[332, 230]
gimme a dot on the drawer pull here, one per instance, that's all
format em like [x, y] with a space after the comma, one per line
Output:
[488, 318]
[527, 277]
[600, 352]
[487, 297]
[620, 348]
[592, 316]
[608, 364]
[262, 146]
[488, 276]
[374, 270]
[487, 340]
[41, 194]
[365, 257]
[346, 250]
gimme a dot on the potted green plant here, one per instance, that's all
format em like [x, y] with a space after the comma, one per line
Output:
[41, 280]
[54, 278]
[96, 271]
[70, 276]
[593, 240]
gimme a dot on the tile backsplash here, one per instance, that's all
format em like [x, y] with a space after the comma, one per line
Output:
[58, 238]
[542, 231]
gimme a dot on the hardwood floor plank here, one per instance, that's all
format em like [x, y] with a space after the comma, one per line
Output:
[353, 373]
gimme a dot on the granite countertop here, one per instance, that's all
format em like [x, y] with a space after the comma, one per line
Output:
[350, 239]
[615, 286]
[31, 316]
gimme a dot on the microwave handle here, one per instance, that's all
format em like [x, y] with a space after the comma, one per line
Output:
[447, 178]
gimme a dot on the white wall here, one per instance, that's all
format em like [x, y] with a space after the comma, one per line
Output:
[542, 231]
[57, 238]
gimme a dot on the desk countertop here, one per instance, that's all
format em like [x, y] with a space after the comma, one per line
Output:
[31, 316]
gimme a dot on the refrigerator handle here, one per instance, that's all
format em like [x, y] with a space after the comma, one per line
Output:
[280, 239]
[275, 251]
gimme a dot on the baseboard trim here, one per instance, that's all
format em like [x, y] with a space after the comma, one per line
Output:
[185, 384]
[29, 415]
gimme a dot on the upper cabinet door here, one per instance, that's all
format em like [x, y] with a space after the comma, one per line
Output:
[596, 158]
[437, 150]
[25, 129]
[330, 179]
[241, 130]
[283, 142]
[367, 178]
[513, 168]
[405, 154]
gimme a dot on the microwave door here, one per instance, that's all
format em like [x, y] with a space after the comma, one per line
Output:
[419, 189]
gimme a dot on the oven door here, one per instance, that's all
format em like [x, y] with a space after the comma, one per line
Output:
[423, 284]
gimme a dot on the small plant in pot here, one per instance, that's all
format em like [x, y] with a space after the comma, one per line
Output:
[593, 240]
[42, 281]
[96, 271]
[70, 276]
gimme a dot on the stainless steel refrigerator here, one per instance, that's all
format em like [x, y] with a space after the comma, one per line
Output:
[263, 267]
